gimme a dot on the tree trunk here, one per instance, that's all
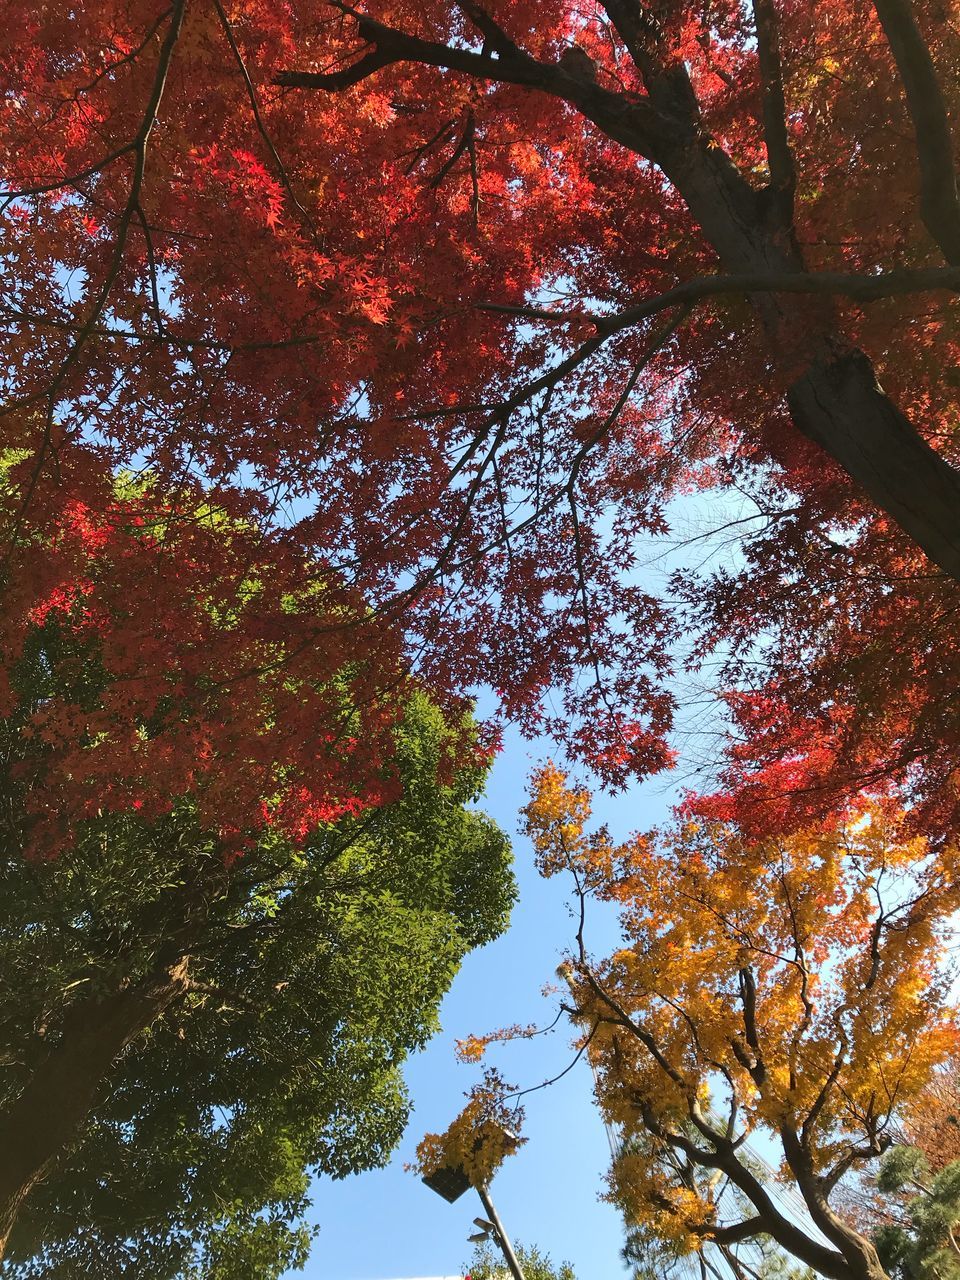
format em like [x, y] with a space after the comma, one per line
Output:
[859, 1252]
[838, 404]
[837, 401]
[41, 1124]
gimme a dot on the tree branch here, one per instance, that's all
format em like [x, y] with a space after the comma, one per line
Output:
[825, 1260]
[261, 124]
[736, 1231]
[639, 125]
[859, 287]
[783, 177]
[748, 995]
[939, 204]
[666, 79]
[858, 1252]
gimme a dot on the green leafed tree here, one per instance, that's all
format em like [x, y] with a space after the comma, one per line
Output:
[921, 1239]
[194, 1033]
[487, 1264]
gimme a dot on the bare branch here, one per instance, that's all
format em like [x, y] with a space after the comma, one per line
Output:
[859, 287]
[736, 1231]
[334, 80]
[856, 286]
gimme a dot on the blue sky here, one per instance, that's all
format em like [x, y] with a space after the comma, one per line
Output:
[386, 1224]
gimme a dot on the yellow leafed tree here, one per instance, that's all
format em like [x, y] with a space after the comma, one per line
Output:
[792, 992]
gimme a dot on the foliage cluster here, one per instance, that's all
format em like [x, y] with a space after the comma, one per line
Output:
[486, 1264]
[792, 989]
[479, 1139]
[315, 967]
[450, 301]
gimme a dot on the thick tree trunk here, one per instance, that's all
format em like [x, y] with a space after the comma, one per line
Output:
[41, 1124]
[837, 402]
[839, 405]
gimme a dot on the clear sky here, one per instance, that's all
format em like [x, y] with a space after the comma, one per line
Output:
[387, 1223]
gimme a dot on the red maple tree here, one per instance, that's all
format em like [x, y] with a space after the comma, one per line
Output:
[187, 653]
[449, 301]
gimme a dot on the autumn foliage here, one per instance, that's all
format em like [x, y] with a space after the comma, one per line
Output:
[793, 988]
[479, 1138]
[184, 653]
[451, 301]
[347, 349]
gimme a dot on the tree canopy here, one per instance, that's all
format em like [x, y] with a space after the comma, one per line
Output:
[155, 646]
[920, 1240]
[451, 300]
[343, 342]
[488, 1264]
[189, 1031]
[792, 988]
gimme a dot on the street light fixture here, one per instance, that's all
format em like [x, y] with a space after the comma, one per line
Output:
[451, 1182]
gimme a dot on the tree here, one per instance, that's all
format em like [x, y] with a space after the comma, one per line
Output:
[913, 1231]
[790, 988]
[496, 283]
[932, 1122]
[923, 1241]
[653, 1254]
[191, 1024]
[487, 1264]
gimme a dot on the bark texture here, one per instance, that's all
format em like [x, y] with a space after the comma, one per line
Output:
[43, 1122]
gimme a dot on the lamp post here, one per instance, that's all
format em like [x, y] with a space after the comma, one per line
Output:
[499, 1236]
[450, 1182]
